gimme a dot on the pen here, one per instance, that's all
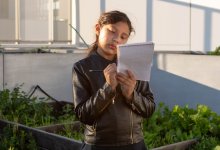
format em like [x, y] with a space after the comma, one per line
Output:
[95, 70]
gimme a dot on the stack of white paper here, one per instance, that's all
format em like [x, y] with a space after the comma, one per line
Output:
[136, 58]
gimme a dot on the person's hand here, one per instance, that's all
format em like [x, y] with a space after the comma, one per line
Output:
[110, 73]
[127, 83]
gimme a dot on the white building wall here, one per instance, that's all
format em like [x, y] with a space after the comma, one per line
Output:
[88, 14]
[171, 25]
[182, 79]
[176, 79]
[179, 25]
[205, 22]
[52, 72]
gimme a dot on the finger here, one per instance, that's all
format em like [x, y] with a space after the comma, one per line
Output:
[131, 75]
[106, 68]
[123, 81]
[122, 75]
[124, 78]
[114, 65]
[110, 68]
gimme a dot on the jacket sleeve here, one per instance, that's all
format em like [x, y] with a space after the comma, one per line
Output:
[143, 100]
[88, 106]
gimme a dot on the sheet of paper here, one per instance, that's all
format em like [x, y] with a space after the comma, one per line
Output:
[137, 58]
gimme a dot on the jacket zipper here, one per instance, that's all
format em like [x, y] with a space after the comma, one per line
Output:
[132, 125]
[113, 100]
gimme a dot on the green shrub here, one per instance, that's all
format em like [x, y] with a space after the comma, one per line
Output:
[14, 139]
[166, 126]
[216, 52]
[17, 106]
[182, 123]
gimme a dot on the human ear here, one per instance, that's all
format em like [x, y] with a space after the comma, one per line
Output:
[97, 29]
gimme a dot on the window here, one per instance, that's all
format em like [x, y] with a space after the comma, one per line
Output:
[62, 15]
[41, 21]
[7, 21]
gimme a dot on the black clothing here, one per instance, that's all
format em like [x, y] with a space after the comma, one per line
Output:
[110, 120]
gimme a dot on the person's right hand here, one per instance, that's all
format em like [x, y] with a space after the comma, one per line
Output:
[110, 73]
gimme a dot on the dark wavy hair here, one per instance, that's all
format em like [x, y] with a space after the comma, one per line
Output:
[110, 17]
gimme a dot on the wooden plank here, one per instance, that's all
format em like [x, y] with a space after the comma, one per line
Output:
[178, 146]
[46, 140]
[75, 126]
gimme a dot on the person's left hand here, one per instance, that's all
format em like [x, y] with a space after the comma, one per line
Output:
[127, 83]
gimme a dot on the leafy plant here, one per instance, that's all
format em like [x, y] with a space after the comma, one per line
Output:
[166, 126]
[206, 143]
[216, 52]
[17, 106]
[70, 132]
[67, 114]
[14, 139]
[182, 123]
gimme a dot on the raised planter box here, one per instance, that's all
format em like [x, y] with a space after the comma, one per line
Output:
[46, 140]
[75, 126]
[184, 145]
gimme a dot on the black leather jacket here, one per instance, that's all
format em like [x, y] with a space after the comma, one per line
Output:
[109, 118]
